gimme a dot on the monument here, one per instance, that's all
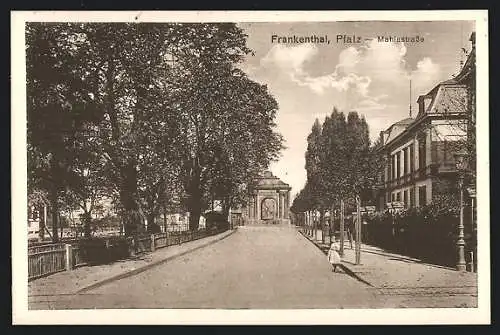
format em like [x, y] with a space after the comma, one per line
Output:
[269, 201]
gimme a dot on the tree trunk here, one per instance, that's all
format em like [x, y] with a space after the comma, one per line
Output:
[194, 198]
[128, 192]
[226, 206]
[62, 227]
[194, 207]
[128, 174]
[151, 220]
[42, 222]
[55, 216]
[86, 224]
[165, 218]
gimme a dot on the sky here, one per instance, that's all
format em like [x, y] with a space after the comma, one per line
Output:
[373, 78]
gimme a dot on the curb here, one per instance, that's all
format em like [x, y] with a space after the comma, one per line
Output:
[344, 267]
[149, 266]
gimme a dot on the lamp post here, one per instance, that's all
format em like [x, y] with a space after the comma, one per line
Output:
[342, 228]
[358, 230]
[461, 165]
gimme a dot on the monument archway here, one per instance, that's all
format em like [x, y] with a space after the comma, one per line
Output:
[268, 201]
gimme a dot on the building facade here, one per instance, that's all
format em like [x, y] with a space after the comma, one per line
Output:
[269, 201]
[418, 153]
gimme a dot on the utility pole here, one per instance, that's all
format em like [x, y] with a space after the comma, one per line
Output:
[308, 223]
[331, 224]
[315, 224]
[342, 228]
[358, 230]
[322, 224]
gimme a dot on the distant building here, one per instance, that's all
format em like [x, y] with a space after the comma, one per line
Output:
[419, 153]
[269, 200]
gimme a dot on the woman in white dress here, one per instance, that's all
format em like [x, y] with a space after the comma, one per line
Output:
[334, 257]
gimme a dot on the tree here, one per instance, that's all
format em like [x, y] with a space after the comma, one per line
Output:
[58, 106]
[357, 156]
[142, 111]
[224, 127]
[333, 165]
[340, 162]
[313, 164]
[87, 185]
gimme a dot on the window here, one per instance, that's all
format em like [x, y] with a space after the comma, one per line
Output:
[405, 198]
[412, 159]
[422, 196]
[412, 197]
[405, 161]
[398, 196]
[393, 162]
[393, 197]
[398, 165]
[421, 153]
[389, 169]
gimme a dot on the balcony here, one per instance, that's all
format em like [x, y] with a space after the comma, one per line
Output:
[422, 173]
[445, 167]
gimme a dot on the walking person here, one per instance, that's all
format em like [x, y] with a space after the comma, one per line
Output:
[334, 257]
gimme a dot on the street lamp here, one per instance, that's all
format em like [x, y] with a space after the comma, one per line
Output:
[461, 166]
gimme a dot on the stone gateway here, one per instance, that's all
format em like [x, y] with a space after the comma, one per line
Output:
[269, 201]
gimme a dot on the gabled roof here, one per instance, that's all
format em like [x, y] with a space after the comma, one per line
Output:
[404, 122]
[456, 85]
[447, 99]
[268, 181]
[395, 129]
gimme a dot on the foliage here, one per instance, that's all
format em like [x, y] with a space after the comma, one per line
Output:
[340, 162]
[155, 116]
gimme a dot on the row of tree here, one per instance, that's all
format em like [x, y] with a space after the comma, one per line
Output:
[340, 163]
[153, 116]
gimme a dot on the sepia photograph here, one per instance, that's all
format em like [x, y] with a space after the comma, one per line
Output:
[303, 166]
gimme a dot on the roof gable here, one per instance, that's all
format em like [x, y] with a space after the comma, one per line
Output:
[448, 98]
[268, 181]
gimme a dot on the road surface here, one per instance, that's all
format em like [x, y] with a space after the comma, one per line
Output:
[271, 267]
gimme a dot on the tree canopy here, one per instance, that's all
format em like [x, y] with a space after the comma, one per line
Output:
[146, 114]
[340, 162]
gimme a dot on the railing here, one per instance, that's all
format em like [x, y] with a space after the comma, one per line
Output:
[46, 259]
[65, 240]
[51, 258]
[162, 240]
[424, 172]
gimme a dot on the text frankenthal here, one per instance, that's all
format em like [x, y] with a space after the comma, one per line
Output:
[344, 38]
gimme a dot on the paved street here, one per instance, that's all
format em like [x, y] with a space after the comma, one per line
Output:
[402, 281]
[262, 267]
[256, 267]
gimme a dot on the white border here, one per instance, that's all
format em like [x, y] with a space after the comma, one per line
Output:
[20, 313]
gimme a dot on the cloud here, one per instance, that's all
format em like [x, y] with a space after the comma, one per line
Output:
[382, 62]
[425, 75]
[357, 70]
[369, 104]
[290, 59]
[320, 84]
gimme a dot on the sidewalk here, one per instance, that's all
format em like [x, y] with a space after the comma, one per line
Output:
[88, 277]
[394, 274]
